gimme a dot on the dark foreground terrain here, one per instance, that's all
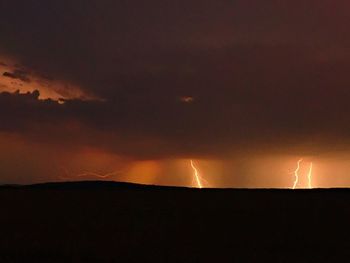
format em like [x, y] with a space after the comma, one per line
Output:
[111, 222]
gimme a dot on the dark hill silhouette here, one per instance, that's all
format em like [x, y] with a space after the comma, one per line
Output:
[121, 222]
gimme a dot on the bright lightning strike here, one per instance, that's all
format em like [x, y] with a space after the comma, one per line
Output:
[296, 174]
[309, 176]
[197, 179]
[196, 175]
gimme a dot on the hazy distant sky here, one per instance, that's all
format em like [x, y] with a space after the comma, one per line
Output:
[138, 88]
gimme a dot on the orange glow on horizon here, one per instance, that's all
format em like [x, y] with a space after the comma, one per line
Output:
[143, 172]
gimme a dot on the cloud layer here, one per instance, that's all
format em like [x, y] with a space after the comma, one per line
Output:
[179, 79]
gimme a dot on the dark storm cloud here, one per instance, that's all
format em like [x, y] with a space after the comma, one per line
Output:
[259, 72]
[174, 130]
[104, 44]
[18, 74]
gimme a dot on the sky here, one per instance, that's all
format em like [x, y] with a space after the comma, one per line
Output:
[132, 91]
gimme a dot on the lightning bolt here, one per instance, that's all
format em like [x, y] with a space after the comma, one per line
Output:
[309, 176]
[68, 175]
[296, 174]
[102, 176]
[196, 177]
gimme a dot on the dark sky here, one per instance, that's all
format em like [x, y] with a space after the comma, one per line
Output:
[159, 79]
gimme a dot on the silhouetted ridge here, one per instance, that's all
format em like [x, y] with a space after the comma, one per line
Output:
[90, 185]
[96, 221]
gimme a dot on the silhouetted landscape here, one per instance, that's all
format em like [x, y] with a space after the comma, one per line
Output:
[120, 222]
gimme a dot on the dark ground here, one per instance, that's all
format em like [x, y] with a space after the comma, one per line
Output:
[110, 222]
